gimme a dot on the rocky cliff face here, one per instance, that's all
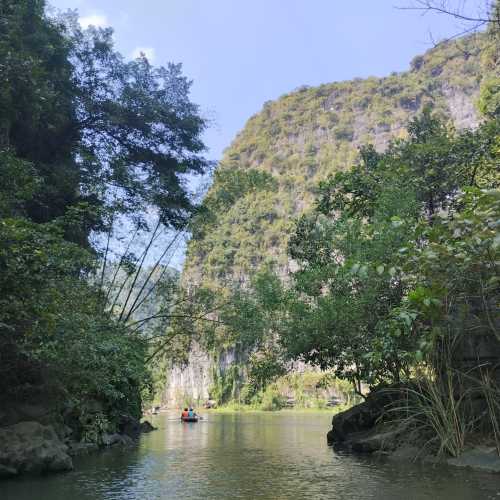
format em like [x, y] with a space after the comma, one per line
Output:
[297, 141]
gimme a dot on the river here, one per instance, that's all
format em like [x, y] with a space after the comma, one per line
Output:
[247, 456]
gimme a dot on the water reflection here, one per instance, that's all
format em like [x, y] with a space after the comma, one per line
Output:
[275, 456]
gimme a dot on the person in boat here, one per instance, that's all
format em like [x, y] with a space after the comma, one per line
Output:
[185, 413]
[191, 413]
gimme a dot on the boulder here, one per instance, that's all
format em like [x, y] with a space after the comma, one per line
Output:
[375, 440]
[147, 427]
[480, 458]
[129, 426]
[362, 417]
[34, 448]
[112, 439]
[357, 419]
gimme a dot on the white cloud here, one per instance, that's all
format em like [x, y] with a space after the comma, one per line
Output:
[149, 52]
[97, 20]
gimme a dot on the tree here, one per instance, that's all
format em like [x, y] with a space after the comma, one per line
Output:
[140, 133]
[355, 308]
[85, 137]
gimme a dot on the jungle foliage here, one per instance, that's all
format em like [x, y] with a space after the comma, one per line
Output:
[324, 260]
[381, 255]
[399, 253]
[86, 137]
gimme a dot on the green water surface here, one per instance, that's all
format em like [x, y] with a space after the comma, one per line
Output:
[246, 456]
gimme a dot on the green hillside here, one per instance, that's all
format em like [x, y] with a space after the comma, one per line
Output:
[268, 175]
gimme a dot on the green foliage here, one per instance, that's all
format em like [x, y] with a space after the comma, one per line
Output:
[51, 317]
[85, 137]
[139, 134]
[489, 100]
[299, 141]
[390, 256]
[93, 427]
[456, 276]
[272, 400]
[225, 384]
[263, 368]
[19, 184]
[122, 148]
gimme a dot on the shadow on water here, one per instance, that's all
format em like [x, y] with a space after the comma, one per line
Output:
[247, 456]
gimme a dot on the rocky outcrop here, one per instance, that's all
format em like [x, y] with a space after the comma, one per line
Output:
[189, 381]
[192, 381]
[350, 426]
[147, 427]
[30, 447]
[361, 429]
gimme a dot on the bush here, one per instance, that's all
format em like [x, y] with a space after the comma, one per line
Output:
[272, 399]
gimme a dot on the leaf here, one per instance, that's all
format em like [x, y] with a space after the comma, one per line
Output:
[496, 242]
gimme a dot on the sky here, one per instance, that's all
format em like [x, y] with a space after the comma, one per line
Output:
[242, 53]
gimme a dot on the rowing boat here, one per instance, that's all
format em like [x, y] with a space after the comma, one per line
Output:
[189, 419]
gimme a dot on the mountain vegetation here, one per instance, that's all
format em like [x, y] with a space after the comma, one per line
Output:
[269, 174]
[354, 227]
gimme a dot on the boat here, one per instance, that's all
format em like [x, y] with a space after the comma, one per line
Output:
[189, 419]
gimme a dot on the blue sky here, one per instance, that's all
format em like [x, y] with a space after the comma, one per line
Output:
[241, 53]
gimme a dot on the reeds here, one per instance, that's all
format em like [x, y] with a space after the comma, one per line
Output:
[445, 412]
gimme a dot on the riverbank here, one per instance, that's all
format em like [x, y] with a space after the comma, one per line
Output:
[370, 428]
[242, 408]
[40, 440]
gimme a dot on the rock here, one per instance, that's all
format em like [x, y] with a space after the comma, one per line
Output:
[33, 412]
[76, 449]
[63, 432]
[34, 448]
[357, 419]
[375, 440]
[481, 458]
[129, 426]
[112, 439]
[360, 418]
[7, 472]
[147, 427]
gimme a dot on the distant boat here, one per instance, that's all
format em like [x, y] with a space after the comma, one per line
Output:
[189, 419]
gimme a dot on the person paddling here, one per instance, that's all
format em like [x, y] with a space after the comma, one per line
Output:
[185, 413]
[191, 413]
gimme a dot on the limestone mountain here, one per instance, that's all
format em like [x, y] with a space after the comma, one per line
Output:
[268, 175]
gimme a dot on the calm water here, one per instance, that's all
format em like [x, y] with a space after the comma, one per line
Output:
[247, 456]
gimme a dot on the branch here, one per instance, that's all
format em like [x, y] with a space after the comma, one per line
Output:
[137, 304]
[432, 6]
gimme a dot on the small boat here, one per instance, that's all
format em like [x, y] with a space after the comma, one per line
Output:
[189, 419]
